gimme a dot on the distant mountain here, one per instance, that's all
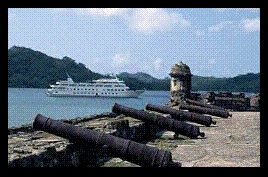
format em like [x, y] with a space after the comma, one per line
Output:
[249, 82]
[142, 80]
[33, 69]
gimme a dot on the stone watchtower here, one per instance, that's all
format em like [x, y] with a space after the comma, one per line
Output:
[180, 86]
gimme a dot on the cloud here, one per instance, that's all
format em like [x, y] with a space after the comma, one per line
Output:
[100, 12]
[150, 20]
[249, 9]
[157, 63]
[199, 33]
[120, 60]
[238, 9]
[211, 61]
[57, 10]
[12, 17]
[251, 25]
[144, 20]
[220, 26]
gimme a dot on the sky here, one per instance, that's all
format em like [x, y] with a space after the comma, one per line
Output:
[218, 42]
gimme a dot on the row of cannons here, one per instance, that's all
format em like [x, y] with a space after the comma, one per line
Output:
[138, 153]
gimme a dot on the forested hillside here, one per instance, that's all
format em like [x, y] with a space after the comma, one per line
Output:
[33, 69]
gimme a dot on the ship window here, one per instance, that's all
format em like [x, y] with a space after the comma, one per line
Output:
[108, 89]
[74, 88]
[105, 93]
[113, 93]
[115, 89]
[88, 89]
[93, 89]
[123, 90]
[116, 93]
[78, 89]
[102, 93]
[112, 89]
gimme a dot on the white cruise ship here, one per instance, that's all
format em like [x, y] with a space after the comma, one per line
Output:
[110, 87]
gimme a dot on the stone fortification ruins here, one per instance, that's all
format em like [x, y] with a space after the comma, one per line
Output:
[191, 131]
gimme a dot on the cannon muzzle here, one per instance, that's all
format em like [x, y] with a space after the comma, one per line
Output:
[197, 103]
[203, 110]
[165, 123]
[128, 150]
[182, 115]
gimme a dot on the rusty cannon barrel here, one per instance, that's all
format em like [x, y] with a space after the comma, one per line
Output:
[202, 110]
[165, 123]
[128, 150]
[197, 103]
[182, 115]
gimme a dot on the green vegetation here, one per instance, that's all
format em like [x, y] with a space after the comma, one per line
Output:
[32, 69]
[142, 80]
[249, 82]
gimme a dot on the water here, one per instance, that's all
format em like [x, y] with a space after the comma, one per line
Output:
[24, 103]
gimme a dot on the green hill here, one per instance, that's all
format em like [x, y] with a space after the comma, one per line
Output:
[249, 82]
[32, 69]
[142, 80]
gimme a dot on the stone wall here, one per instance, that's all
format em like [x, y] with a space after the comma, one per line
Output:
[36, 149]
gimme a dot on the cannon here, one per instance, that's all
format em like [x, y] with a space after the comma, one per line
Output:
[165, 123]
[202, 110]
[182, 115]
[128, 150]
[197, 103]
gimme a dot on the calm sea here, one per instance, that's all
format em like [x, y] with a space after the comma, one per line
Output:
[24, 103]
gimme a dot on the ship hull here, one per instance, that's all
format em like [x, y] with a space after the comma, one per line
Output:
[128, 94]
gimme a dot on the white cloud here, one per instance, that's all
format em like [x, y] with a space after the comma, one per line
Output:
[100, 12]
[220, 26]
[145, 20]
[249, 9]
[251, 25]
[199, 33]
[150, 20]
[120, 60]
[238, 9]
[12, 17]
[211, 61]
[221, 9]
[57, 10]
[157, 64]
